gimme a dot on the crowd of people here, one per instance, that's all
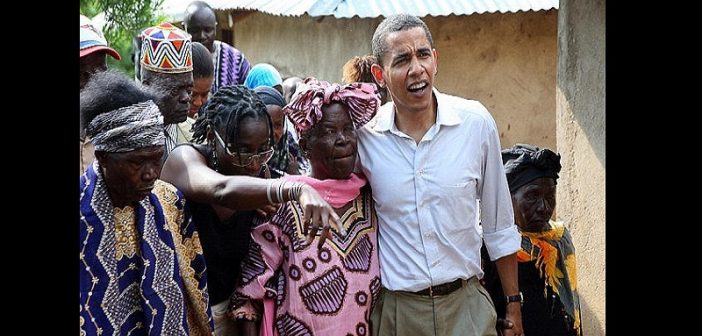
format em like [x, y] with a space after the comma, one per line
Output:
[218, 198]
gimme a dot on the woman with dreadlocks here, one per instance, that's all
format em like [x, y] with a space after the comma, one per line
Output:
[233, 138]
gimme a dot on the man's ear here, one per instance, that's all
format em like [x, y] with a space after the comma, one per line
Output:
[377, 72]
[436, 64]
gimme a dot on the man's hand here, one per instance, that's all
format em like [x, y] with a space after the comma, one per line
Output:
[514, 318]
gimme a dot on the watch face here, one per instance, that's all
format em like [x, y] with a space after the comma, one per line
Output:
[515, 298]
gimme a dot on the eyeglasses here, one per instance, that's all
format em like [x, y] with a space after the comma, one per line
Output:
[245, 159]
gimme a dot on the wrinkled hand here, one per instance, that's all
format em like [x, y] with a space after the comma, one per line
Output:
[514, 318]
[318, 213]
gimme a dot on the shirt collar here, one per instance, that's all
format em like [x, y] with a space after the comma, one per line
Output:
[445, 115]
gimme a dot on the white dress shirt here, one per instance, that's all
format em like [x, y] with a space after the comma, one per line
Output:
[425, 195]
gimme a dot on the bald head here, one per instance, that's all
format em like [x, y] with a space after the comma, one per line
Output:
[200, 22]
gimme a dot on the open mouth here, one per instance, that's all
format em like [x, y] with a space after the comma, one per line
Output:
[418, 88]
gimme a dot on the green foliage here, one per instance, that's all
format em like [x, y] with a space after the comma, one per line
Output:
[123, 20]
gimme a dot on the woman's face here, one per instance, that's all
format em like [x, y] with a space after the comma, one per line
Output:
[201, 93]
[253, 151]
[278, 120]
[534, 203]
[332, 144]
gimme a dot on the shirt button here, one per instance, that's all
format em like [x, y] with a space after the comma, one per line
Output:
[435, 263]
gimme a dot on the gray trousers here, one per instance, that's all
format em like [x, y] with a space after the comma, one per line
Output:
[468, 311]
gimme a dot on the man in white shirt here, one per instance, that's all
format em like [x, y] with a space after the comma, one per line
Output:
[428, 157]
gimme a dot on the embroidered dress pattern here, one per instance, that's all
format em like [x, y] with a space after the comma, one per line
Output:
[142, 269]
[324, 291]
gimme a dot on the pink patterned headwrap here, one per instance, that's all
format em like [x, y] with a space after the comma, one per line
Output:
[305, 108]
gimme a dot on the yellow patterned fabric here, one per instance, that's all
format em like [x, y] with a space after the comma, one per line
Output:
[554, 254]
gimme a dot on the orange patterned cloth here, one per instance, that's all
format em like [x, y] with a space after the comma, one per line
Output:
[554, 253]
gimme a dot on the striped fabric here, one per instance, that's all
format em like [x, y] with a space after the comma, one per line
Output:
[305, 108]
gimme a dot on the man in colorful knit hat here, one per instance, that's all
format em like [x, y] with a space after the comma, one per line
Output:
[93, 48]
[167, 68]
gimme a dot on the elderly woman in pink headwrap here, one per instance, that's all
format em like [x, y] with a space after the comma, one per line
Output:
[327, 288]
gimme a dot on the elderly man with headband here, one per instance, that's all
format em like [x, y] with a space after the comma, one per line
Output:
[142, 269]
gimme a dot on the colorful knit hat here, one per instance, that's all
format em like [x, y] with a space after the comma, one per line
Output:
[92, 39]
[166, 48]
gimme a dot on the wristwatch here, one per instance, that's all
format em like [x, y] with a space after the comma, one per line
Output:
[516, 298]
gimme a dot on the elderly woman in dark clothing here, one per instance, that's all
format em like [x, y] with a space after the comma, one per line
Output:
[287, 157]
[232, 137]
[547, 256]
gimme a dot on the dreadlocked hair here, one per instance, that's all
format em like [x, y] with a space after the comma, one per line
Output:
[227, 107]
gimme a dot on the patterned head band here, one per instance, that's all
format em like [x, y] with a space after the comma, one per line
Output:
[127, 128]
[305, 108]
[166, 48]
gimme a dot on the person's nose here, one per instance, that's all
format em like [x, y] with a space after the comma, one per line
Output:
[185, 97]
[196, 101]
[543, 206]
[415, 67]
[151, 171]
[201, 35]
[342, 138]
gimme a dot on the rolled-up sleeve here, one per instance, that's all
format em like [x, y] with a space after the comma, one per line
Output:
[497, 216]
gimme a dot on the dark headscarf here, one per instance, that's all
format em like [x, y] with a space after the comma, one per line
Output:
[525, 163]
[270, 96]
